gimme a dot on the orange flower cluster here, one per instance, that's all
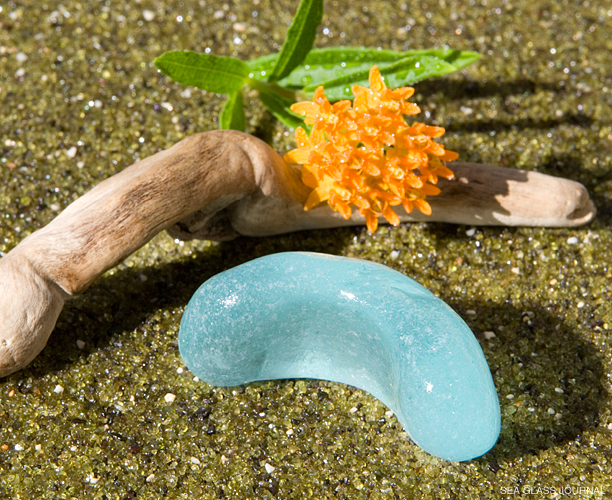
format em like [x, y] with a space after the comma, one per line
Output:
[364, 154]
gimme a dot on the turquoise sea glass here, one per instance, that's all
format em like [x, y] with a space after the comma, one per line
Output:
[308, 315]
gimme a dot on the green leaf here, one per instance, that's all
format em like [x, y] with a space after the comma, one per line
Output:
[279, 107]
[322, 65]
[232, 114]
[300, 37]
[262, 66]
[224, 75]
[458, 58]
[322, 60]
[397, 74]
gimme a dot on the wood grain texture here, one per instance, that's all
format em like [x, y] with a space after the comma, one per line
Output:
[479, 195]
[218, 185]
[203, 173]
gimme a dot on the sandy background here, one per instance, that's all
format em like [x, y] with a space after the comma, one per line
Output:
[89, 418]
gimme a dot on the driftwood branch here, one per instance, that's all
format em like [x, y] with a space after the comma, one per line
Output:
[218, 185]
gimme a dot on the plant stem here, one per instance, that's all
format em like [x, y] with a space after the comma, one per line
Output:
[287, 94]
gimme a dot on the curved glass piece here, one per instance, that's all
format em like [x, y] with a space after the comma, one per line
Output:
[308, 315]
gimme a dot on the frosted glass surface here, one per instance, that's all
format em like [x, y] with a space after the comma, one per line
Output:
[308, 315]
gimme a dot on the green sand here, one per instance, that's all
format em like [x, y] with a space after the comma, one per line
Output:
[89, 418]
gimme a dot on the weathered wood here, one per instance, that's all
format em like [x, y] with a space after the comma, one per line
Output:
[479, 195]
[218, 185]
[204, 173]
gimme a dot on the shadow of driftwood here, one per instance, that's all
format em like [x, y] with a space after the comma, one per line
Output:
[536, 356]
[127, 301]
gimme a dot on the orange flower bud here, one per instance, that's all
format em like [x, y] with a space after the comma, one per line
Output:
[365, 155]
